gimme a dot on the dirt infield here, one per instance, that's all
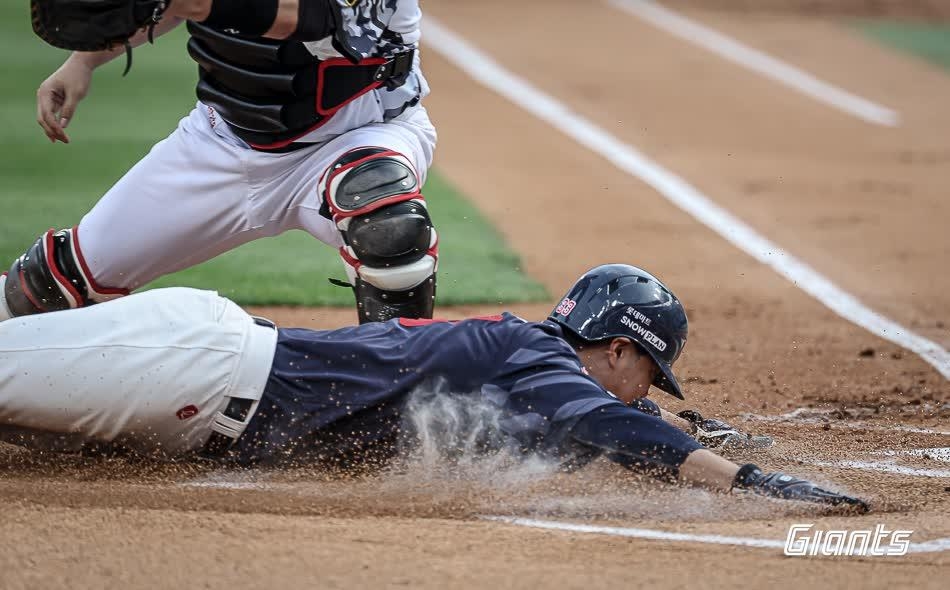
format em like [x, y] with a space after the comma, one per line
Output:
[864, 205]
[911, 9]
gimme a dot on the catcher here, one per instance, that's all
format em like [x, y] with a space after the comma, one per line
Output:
[309, 117]
[181, 372]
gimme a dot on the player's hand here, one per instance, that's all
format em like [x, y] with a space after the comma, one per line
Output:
[58, 96]
[716, 434]
[787, 487]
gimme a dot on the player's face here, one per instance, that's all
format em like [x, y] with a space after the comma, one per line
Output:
[627, 372]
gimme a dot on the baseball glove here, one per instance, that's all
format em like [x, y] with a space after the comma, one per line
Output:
[95, 25]
[716, 434]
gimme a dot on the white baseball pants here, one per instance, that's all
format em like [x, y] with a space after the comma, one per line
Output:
[202, 191]
[152, 372]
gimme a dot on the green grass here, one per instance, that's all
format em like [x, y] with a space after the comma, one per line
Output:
[53, 186]
[930, 41]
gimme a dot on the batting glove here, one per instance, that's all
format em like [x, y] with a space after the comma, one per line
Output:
[787, 487]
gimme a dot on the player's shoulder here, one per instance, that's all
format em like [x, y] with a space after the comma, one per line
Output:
[522, 328]
[538, 342]
[542, 332]
[540, 359]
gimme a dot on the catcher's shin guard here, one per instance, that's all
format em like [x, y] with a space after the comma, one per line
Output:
[51, 276]
[391, 248]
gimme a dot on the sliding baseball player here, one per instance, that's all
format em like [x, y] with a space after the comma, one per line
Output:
[184, 373]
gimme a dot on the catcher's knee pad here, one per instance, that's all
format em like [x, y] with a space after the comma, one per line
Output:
[51, 276]
[391, 248]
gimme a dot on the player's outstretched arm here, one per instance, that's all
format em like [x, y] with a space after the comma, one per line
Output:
[707, 469]
[644, 442]
[58, 95]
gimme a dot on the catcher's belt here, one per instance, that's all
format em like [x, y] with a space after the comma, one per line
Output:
[273, 92]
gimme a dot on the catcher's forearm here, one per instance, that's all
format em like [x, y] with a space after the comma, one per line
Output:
[196, 10]
[94, 59]
[275, 19]
[271, 18]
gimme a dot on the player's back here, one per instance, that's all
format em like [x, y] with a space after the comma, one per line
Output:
[371, 363]
[344, 389]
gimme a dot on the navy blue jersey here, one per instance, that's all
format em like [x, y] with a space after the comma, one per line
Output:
[342, 394]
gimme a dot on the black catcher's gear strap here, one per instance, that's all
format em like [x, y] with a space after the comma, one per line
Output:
[95, 25]
[380, 305]
[787, 487]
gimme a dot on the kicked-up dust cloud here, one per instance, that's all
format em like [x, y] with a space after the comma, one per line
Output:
[460, 436]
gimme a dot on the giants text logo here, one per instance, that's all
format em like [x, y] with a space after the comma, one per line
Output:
[802, 541]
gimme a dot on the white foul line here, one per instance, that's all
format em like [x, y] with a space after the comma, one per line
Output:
[488, 72]
[758, 61]
[884, 467]
[933, 453]
[814, 416]
[930, 546]
[637, 533]
[933, 546]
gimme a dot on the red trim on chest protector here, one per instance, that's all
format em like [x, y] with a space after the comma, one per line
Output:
[327, 114]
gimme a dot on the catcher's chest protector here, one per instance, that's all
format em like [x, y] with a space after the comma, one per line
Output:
[271, 92]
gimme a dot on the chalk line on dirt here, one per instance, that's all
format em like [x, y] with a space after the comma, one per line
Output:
[241, 485]
[637, 533]
[519, 91]
[934, 453]
[758, 61]
[817, 416]
[932, 546]
[883, 467]
[236, 479]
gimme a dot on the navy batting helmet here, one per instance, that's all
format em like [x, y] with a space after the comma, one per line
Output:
[619, 300]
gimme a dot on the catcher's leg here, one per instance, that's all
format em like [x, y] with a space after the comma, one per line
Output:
[51, 276]
[186, 202]
[390, 248]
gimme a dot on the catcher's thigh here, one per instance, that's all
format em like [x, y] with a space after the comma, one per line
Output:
[194, 196]
[150, 371]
